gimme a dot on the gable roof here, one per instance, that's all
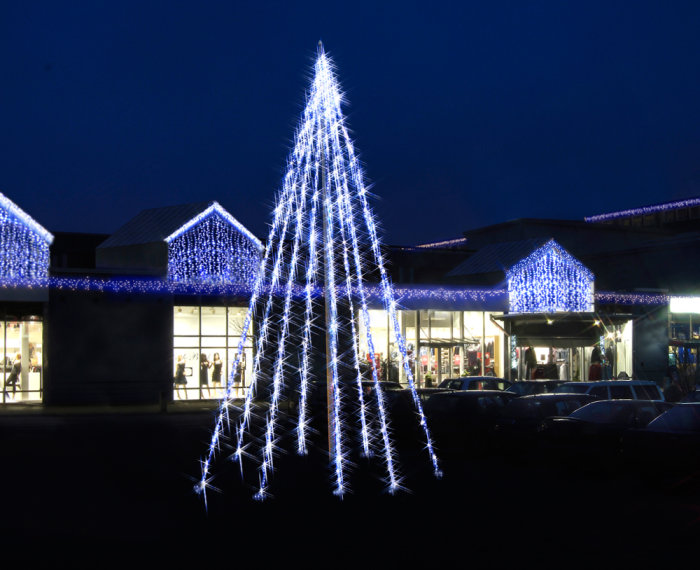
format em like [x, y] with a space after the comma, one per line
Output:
[497, 257]
[17, 212]
[550, 247]
[164, 224]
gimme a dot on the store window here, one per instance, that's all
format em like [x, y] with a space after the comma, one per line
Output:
[22, 350]
[609, 358]
[439, 345]
[205, 345]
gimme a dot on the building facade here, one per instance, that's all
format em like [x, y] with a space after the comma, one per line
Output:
[156, 312]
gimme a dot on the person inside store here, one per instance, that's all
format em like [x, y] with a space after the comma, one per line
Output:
[180, 380]
[204, 366]
[13, 378]
[595, 370]
[530, 362]
[610, 361]
[217, 363]
[673, 387]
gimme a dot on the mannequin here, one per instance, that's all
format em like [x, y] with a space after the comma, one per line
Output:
[216, 373]
[180, 380]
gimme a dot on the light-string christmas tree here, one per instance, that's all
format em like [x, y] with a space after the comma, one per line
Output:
[322, 250]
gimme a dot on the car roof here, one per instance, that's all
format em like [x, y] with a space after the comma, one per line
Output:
[629, 402]
[553, 395]
[474, 393]
[475, 378]
[612, 383]
[540, 380]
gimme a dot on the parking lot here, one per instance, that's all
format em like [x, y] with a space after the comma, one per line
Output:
[103, 489]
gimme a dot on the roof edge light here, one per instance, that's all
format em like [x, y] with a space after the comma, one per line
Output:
[644, 210]
[215, 208]
[25, 218]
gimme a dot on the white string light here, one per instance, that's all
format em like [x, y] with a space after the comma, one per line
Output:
[549, 280]
[24, 245]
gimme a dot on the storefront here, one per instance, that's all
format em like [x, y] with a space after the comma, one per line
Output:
[684, 339]
[24, 263]
[22, 349]
[553, 328]
[440, 345]
[570, 346]
[205, 344]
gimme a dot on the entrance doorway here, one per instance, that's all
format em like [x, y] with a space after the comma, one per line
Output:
[440, 361]
[21, 349]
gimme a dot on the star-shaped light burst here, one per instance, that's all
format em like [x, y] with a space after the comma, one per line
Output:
[321, 251]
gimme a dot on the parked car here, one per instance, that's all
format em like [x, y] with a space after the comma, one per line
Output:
[684, 417]
[528, 387]
[670, 443]
[464, 419]
[615, 389]
[522, 416]
[597, 427]
[693, 396]
[475, 383]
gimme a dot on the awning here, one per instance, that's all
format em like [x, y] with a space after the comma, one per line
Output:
[564, 330]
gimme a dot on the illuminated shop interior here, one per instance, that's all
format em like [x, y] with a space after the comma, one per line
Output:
[684, 337]
[202, 330]
[440, 345]
[22, 338]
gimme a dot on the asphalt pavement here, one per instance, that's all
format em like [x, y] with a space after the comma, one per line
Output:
[114, 487]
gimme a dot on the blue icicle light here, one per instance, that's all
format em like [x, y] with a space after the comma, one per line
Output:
[213, 247]
[24, 245]
[550, 280]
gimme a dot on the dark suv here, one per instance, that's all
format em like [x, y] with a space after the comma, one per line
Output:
[475, 383]
[532, 387]
[615, 389]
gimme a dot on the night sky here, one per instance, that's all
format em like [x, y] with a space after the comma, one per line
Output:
[465, 114]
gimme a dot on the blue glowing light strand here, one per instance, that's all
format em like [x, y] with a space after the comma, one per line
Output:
[338, 457]
[215, 208]
[644, 210]
[336, 120]
[24, 244]
[394, 479]
[281, 216]
[213, 251]
[387, 292]
[223, 413]
[300, 190]
[25, 219]
[339, 182]
[550, 280]
[308, 323]
[303, 152]
[364, 430]
[387, 446]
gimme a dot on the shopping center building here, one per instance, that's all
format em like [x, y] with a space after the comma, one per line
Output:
[115, 318]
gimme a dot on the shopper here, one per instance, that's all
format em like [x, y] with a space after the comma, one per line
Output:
[13, 378]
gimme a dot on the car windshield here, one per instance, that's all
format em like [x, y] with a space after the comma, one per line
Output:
[679, 418]
[520, 388]
[647, 392]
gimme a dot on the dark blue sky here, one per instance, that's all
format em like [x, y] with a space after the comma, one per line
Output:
[464, 114]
